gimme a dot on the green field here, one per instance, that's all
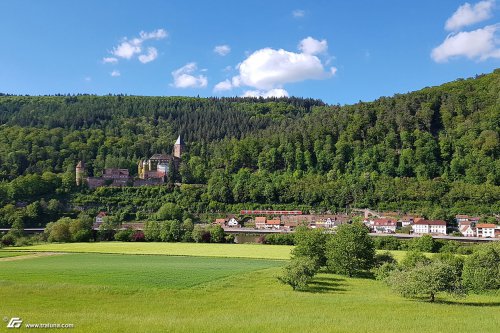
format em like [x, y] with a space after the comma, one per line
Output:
[155, 293]
[173, 249]
[8, 254]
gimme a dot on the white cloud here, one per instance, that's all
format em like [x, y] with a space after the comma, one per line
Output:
[268, 68]
[115, 73]
[184, 78]
[333, 70]
[298, 13]
[223, 86]
[87, 79]
[157, 34]
[466, 15]
[479, 44]
[129, 48]
[310, 45]
[150, 56]
[222, 50]
[277, 92]
[109, 60]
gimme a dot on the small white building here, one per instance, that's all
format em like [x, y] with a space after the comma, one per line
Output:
[486, 230]
[233, 223]
[429, 227]
[100, 217]
[467, 230]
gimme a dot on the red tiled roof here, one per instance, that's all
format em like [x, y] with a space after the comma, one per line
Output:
[273, 222]
[386, 222]
[260, 219]
[486, 225]
[101, 214]
[220, 221]
[430, 222]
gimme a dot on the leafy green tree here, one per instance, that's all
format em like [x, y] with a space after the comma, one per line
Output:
[350, 250]
[169, 211]
[152, 230]
[299, 272]
[310, 243]
[481, 269]
[197, 233]
[425, 280]
[424, 243]
[216, 234]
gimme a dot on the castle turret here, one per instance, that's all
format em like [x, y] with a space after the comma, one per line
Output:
[80, 173]
[178, 147]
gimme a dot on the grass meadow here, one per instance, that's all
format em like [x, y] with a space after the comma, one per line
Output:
[166, 293]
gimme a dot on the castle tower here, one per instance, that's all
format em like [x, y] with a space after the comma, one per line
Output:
[80, 173]
[178, 147]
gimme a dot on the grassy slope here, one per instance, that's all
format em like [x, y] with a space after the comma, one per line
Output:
[75, 288]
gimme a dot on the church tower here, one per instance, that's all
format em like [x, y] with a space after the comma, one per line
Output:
[178, 147]
[80, 173]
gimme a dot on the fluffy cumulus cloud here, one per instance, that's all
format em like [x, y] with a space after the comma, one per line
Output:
[310, 45]
[150, 56]
[467, 15]
[222, 50]
[223, 86]
[480, 44]
[130, 48]
[115, 73]
[267, 70]
[185, 77]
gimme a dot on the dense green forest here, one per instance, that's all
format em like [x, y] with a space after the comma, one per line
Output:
[434, 151]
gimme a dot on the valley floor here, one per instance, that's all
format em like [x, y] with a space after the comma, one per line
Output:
[158, 293]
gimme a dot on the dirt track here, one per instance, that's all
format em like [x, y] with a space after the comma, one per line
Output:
[31, 256]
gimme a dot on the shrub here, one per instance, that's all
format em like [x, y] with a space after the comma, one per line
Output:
[383, 271]
[424, 243]
[387, 243]
[279, 239]
[138, 236]
[414, 258]
[310, 243]
[8, 239]
[298, 273]
[124, 235]
[449, 246]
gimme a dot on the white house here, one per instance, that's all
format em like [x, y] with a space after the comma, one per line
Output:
[100, 217]
[260, 222]
[485, 230]
[233, 223]
[386, 226]
[429, 227]
[467, 230]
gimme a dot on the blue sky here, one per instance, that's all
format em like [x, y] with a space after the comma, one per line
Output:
[338, 51]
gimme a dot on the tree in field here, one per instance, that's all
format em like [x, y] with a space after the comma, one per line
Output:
[216, 234]
[299, 272]
[422, 244]
[310, 243]
[425, 280]
[481, 269]
[350, 250]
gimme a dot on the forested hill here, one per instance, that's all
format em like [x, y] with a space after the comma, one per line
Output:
[431, 150]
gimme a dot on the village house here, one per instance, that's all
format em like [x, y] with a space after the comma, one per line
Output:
[273, 224]
[429, 227]
[485, 230]
[233, 223]
[99, 219]
[260, 222]
[466, 229]
[221, 222]
[385, 226]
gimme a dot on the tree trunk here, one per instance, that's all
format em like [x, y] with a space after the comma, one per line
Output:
[432, 297]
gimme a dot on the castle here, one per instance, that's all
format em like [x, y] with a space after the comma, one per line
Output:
[152, 171]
